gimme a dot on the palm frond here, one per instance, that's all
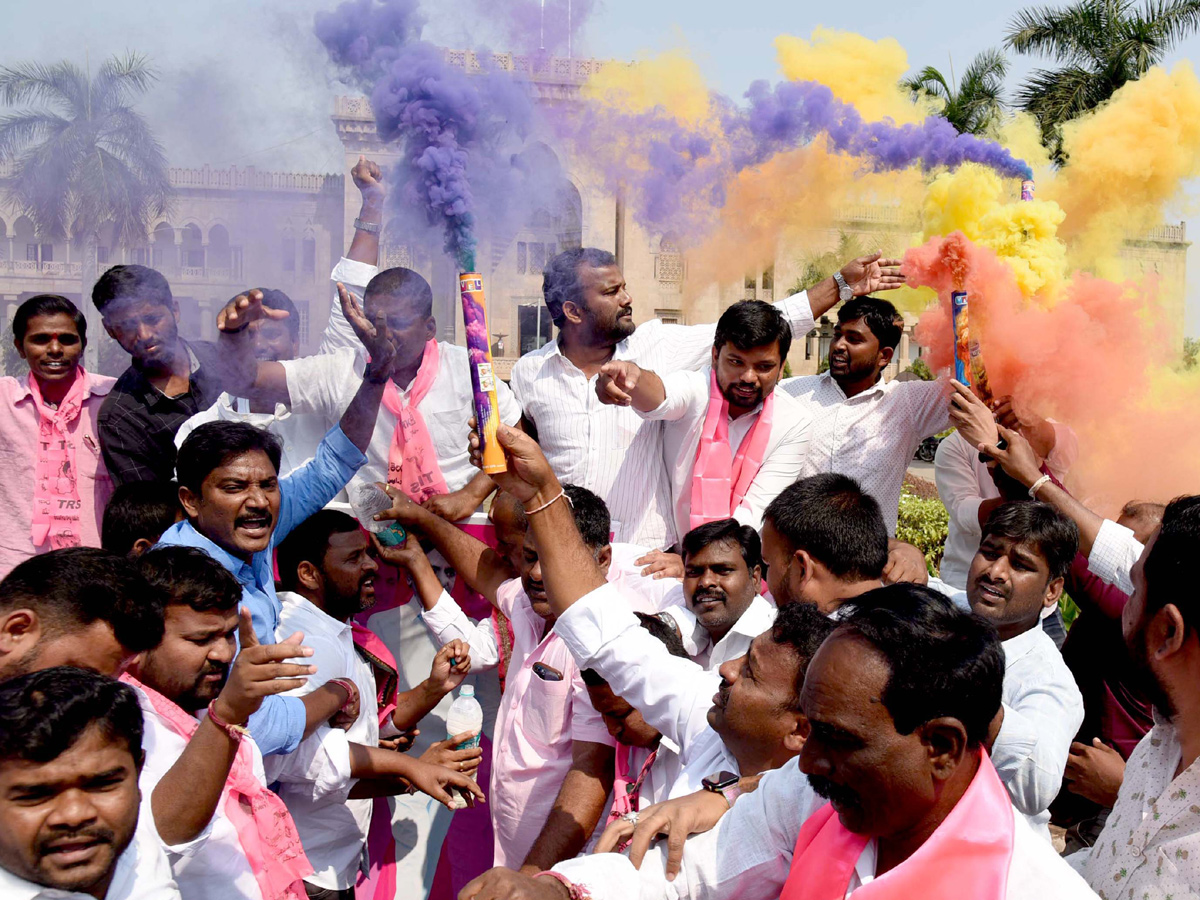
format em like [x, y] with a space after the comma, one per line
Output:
[19, 130]
[62, 85]
[1174, 20]
[929, 81]
[1069, 35]
[120, 79]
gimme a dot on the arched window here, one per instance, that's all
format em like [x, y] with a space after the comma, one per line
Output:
[192, 247]
[308, 256]
[287, 252]
[3, 240]
[218, 247]
[163, 243]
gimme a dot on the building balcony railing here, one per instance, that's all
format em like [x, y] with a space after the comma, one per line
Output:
[250, 179]
[44, 269]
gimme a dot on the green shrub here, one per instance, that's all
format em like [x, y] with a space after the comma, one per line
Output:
[923, 523]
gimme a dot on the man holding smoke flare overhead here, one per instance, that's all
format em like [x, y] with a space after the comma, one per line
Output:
[610, 449]
[420, 438]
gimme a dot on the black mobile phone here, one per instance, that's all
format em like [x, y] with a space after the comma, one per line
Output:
[547, 673]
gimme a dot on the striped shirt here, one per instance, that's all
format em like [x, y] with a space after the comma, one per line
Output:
[611, 450]
[871, 436]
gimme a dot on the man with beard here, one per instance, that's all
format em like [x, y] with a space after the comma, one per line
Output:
[730, 441]
[238, 508]
[79, 606]
[1150, 845]
[610, 449]
[898, 700]
[863, 426]
[327, 575]
[204, 777]
[70, 752]
[1017, 573]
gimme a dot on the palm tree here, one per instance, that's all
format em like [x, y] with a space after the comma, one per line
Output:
[976, 103]
[1098, 45]
[85, 163]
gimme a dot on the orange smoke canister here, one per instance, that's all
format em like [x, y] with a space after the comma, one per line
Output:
[483, 376]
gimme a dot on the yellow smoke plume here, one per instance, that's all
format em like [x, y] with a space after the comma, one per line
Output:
[858, 70]
[1127, 160]
[670, 80]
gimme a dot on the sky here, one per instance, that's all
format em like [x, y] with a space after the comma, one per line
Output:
[244, 82]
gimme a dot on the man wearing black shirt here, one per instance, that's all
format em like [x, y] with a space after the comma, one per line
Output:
[168, 379]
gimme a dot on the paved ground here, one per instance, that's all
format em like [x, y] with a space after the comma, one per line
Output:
[921, 469]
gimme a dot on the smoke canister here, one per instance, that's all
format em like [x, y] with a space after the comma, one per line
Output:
[483, 378]
[1027, 189]
[968, 357]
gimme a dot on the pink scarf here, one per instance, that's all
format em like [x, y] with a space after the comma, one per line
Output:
[371, 647]
[626, 791]
[412, 459]
[720, 479]
[56, 505]
[263, 824]
[967, 856]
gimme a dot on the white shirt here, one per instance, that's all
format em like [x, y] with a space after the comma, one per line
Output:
[326, 383]
[673, 694]
[332, 828]
[1150, 846]
[748, 854]
[610, 450]
[141, 873]
[964, 483]
[212, 864]
[299, 434]
[1114, 553]
[682, 414]
[871, 436]
[1043, 710]
[758, 617]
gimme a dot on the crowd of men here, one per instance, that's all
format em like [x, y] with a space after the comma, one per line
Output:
[706, 666]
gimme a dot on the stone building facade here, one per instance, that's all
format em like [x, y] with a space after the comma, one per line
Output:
[230, 229]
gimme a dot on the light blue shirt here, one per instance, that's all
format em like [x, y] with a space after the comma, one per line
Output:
[278, 726]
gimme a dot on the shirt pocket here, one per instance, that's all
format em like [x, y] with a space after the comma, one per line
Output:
[547, 705]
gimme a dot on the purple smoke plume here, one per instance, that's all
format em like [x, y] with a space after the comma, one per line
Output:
[795, 112]
[462, 135]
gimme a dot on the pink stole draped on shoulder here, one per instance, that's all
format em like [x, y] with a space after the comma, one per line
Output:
[412, 459]
[56, 505]
[720, 478]
[264, 826]
[968, 856]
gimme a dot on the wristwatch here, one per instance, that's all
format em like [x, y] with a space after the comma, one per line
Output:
[368, 227]
[724, 783]
[844, 292]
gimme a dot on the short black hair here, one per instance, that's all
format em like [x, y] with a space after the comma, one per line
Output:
[213, 444]
[944, 661]
[804, 628]
[308, 542]
[47, 305]
[725, 530]
[591, 516]
[405, 283]
[276, 299]
[1055, 536]
[666, 632]
[187, 576]
[123, 282]
[76, 586]
[883, 319]
[1169, 568]
[836, 522]
[44, 713]
[139, 510]
[560, 279]
[752, 323]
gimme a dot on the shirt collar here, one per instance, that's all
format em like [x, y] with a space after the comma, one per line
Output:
[315, 614]
[756, 619]
[1024, 643]
[184, 534]
[13, 887]
[93, 386]
[878, 387]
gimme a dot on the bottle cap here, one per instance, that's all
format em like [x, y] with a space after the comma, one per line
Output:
[467, 690]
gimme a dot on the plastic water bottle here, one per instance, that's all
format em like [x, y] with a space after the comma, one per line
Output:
[368, 499]
[465, 715]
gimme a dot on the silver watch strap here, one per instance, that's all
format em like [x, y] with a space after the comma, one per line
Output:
[368, 227]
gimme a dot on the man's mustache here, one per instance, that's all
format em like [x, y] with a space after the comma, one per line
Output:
[832, 791]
